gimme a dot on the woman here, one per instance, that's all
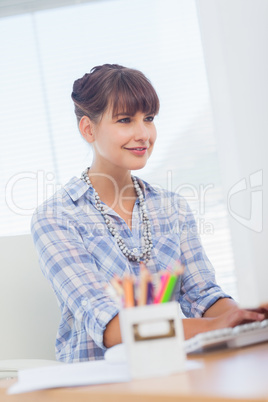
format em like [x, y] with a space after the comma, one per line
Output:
[107, 221]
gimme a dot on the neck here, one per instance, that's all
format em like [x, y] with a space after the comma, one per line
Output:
[111, 186]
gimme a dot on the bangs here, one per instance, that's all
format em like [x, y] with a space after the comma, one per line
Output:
[132, 94]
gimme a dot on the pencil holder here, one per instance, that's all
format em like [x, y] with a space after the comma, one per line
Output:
[153, 335]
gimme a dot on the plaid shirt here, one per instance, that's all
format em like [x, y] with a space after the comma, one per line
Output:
[79, 256]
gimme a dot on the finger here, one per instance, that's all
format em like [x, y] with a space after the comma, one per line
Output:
[253, 315]
[262, 310]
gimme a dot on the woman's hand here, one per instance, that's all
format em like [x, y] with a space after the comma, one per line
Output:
[234, 317]
[225, 313]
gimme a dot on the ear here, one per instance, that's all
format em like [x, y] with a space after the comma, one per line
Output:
[86, 127]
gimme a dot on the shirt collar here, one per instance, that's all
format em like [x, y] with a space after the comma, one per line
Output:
[146, 187]
[76, 188]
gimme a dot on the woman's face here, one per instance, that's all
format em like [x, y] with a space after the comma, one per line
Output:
[124, 141]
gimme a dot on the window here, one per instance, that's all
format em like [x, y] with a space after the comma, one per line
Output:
[41, 148]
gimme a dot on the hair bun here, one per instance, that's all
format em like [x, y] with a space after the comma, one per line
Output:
[79, 86]
[123, 88]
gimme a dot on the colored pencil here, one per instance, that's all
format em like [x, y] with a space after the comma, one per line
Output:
[166, 297]
[128, 286]
[162, 287]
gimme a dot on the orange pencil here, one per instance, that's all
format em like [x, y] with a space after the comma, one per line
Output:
[128, 286]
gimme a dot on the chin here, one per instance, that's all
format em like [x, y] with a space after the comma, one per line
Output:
[138, 166]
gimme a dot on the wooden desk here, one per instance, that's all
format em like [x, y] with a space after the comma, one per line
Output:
[233, 376]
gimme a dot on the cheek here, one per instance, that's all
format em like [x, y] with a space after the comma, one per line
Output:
[152, 142]
[153, 136]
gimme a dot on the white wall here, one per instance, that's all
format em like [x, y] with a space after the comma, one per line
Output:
[235, 37]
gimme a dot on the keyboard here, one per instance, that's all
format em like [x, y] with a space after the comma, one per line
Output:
[241, 335]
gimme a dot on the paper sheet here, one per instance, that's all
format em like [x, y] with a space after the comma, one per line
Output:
[69, 375]
[112, 369]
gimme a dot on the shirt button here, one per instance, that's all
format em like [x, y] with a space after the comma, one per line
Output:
[84, 303]
[135, 250]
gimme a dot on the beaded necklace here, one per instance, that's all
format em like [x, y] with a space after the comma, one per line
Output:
[147, 236]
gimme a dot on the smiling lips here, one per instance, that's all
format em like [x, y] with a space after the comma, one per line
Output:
[137, 150]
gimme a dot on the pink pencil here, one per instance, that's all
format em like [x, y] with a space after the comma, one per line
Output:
[162, 287]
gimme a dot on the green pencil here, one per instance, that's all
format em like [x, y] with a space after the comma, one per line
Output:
[169, 289]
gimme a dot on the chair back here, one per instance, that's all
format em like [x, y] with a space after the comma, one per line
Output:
[29, 314]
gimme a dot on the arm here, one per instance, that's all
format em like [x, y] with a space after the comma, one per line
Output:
[222, 314]
[112, 333]
[77, 282]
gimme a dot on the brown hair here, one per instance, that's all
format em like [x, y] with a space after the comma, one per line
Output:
[126, 90]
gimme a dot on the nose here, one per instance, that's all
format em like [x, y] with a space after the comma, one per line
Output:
[142, 132]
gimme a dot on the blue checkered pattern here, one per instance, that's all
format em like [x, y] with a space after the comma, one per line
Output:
[79, 256]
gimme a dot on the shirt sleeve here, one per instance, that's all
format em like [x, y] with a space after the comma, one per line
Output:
[199, 289]
[78, 284]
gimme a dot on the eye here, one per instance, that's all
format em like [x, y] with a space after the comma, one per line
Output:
[124, 120]
[149, 118]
